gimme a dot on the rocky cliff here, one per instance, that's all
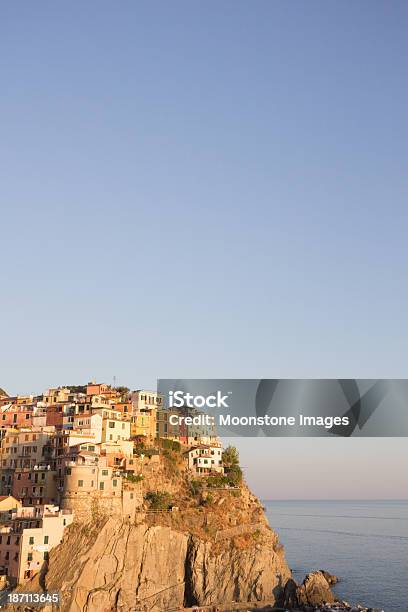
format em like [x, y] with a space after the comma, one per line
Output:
[216, 553]
[213, 548]
[157, 568]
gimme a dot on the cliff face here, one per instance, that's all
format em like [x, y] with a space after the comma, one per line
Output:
[169, 561]
[257, 573]
[141, 567]
[214, 548]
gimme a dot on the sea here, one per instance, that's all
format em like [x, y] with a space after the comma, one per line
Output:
[364, 543]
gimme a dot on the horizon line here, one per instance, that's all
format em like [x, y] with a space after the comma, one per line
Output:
[399, 499]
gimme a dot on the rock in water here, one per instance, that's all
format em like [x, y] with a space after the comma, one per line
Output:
[290, 595]
[315, 590]
[331, 578]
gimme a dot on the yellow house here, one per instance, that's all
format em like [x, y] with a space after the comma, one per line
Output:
[144, 423]
[8, 502]
[56, 395]
[114, 429]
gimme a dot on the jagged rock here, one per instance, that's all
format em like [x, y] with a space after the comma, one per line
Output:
[315, 590]
[256, 573]
[123, 566]
[174, 560]
[290, 598]
[331, 578]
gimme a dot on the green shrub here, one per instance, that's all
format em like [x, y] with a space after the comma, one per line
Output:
[171, 445]
[230, 456]
[196, 487]
[217, 481]
[139, 448]
[234, 475]
[158, 500]
[134, 477]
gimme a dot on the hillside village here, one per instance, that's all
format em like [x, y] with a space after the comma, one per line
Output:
[75, 452]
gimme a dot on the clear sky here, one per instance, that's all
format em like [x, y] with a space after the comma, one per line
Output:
[203, 189]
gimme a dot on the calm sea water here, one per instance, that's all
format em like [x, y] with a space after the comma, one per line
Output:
[364, 543]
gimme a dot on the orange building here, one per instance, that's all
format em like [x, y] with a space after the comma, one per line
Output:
[94, 388]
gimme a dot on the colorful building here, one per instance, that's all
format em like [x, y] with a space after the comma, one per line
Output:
[204, 459]
[26, 540]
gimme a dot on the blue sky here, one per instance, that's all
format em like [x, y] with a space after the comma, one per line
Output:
[202, 189]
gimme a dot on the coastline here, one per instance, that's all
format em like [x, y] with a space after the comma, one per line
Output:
[363, 542]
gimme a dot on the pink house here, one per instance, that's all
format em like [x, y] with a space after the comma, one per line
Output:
[16, 416]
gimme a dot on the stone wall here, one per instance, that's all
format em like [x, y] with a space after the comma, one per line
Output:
[87, 506]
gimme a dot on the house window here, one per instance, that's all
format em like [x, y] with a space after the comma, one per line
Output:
[80, 483]
[45, 556]
[114, 482]
[45, 539]
[30, 557]
[101, 486]
[31, 540]
[104, 472]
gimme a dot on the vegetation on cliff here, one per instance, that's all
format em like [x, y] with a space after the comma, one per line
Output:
[213, 549]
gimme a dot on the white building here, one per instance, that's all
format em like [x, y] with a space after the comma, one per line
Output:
[204, 459]
[26, 540]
